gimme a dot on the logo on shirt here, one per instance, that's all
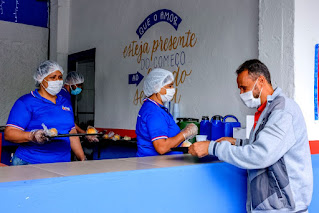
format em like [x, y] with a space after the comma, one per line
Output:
[66, 108]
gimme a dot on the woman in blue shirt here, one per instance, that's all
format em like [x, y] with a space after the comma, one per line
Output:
[43, 106]
[73, 85]
[156, 129]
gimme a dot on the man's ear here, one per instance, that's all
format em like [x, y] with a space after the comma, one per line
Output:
[262, 79]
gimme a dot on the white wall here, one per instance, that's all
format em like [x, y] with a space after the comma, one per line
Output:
[22, 48]
[276, 42]
[306, 37]
[226, 32]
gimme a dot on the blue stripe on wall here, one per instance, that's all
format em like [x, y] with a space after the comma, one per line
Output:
[316, 83]
[30, 12]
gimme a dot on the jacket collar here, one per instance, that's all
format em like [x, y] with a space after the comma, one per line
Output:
[276, 93]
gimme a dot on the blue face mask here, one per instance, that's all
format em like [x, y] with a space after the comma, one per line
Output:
[76, 91]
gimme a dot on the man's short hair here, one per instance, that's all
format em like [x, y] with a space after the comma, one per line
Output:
[255, 69]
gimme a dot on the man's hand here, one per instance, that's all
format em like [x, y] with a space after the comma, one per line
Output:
[229, 139]
[199, 149]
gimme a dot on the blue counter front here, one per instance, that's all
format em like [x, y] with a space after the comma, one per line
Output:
[176, 183]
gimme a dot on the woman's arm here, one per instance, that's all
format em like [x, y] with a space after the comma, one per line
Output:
[163, 146]
[78, 129]
[16, 135]
[76, 146]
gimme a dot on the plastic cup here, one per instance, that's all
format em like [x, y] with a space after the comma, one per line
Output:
[201, 138]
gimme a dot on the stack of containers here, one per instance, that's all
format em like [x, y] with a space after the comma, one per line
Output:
[218, 126]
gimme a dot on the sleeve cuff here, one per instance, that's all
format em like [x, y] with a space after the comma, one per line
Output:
[159, 137]
[212, 148]
[15, 126]
[239, 142]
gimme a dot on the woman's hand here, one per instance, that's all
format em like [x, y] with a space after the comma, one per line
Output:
[229, 139]
[190, 131]
[38, 136]
[91, 138]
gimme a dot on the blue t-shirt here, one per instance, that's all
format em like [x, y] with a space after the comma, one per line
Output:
[64, 92]
[153, 122]
[28, 113]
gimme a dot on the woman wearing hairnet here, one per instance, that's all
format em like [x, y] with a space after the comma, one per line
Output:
[156, 129]
[73, 86]
[33, 114]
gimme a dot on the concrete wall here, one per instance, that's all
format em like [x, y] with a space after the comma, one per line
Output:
[276, 41]
[306, 37]
[226, 34]
[59, 31]
[22, 48]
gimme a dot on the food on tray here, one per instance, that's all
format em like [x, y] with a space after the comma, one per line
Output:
[186, 144]
[108, 135]
[91, 130]
[53, 132]
[116, 137]
[127, 138]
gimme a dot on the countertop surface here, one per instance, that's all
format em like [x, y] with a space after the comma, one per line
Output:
[39, 171]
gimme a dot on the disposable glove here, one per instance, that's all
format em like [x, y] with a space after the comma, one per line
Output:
[190, 131]
[91, 138]
[38, 136]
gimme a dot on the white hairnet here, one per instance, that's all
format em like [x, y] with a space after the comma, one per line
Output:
[45, 69]
[74, 78]
[155, 80]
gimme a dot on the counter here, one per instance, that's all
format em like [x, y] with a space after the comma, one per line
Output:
[109, 149]
[175, 183]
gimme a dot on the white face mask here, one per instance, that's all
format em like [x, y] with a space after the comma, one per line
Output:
[54, 87]
[249, 99]
[169, 95]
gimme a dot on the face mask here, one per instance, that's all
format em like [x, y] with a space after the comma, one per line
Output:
[169, 95]
[54, 87]
[249, 99]
[76, 91]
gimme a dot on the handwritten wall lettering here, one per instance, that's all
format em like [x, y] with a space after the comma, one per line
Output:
[137, 49]
[138, 97]
[180, 76]
[163, 52]
[173, 43]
